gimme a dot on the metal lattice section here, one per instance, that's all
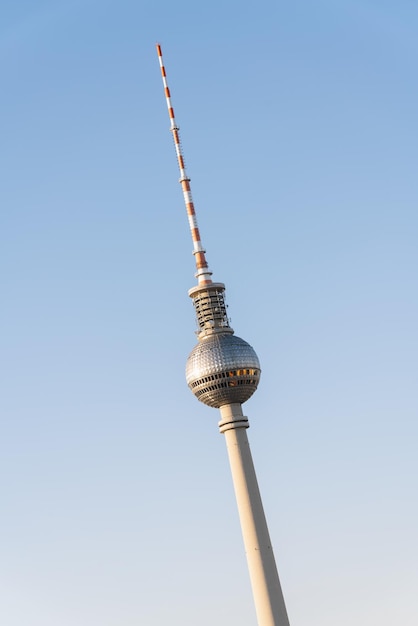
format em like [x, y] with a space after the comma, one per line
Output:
[210, 307]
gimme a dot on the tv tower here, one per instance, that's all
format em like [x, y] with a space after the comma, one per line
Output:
[223, 371]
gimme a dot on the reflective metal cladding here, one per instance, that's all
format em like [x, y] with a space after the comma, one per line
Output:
[222, 369]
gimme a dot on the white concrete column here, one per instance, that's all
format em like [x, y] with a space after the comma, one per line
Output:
[267, 592]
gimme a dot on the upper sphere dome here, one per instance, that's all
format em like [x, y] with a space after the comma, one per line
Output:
[222, 369]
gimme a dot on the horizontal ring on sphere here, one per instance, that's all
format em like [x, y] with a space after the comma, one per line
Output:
[222, 369]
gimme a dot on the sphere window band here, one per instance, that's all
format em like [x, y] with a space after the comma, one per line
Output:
[216, 389]
[234, 373]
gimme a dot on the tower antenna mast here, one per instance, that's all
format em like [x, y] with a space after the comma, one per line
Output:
[202, 270]
[223, 371]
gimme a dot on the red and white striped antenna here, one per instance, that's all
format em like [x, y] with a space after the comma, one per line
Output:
[203, 274]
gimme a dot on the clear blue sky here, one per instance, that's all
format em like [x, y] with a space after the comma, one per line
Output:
[299, 125]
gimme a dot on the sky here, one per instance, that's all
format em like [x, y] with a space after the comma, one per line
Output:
[298, 123]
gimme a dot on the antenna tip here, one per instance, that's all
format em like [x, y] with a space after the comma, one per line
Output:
[158, 46]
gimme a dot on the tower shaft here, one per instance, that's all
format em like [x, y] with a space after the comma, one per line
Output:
[267, 592]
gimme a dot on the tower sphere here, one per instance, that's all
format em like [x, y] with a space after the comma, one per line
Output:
[222, 369]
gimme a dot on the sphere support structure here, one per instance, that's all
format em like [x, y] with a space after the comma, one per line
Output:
[265, 583]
